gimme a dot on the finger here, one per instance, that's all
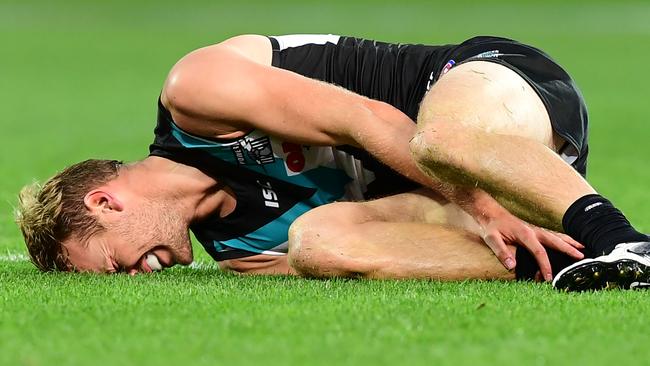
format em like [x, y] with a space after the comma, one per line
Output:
[562, 236]
[529, 240]
[552, 240]
[500, 249]
[569, 240]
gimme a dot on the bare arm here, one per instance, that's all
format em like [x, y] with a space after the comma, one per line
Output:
[215, 92]
[259, 264]
[222, 92]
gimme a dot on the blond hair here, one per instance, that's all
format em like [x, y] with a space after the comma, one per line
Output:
[50, 213]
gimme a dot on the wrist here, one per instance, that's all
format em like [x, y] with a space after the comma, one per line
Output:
[483, 208]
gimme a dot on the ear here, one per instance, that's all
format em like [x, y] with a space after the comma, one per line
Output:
[99, 201]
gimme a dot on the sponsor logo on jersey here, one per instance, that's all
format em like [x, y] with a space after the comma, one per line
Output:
[256, 149]
[295, 158]
[593, 206]
[495, 54]
[447, 67]
[445, 70]
[269, 195]
[239, 154]
[488, 54]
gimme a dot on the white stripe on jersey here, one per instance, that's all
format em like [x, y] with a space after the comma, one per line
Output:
[569, 154]
[361, 177]
[279, 250]
[297, 40]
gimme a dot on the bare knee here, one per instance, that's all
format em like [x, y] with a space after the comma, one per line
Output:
[301, 248]
[313, 249]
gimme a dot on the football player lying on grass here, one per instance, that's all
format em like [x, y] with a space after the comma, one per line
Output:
[324, 155]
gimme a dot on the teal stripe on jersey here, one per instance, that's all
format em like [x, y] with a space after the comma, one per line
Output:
[268, 236]
[329, 181]
[221, 151]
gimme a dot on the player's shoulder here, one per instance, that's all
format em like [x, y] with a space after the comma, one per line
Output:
[212, 67]
[252, 47]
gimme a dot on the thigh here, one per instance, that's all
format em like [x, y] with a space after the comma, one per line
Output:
[419, 206]
[491, 97]
[393, 237]
[340, 219]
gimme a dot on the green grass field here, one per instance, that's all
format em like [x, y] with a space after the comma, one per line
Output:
[80, 79]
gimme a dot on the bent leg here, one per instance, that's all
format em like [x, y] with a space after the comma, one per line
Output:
[411, 235]
[483, 125]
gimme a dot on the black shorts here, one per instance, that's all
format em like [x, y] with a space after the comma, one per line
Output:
[561, 97]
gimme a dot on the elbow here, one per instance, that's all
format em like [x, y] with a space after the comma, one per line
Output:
[442, 151]
[427, 147]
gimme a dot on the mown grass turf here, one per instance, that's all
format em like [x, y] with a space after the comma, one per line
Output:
[80, 79]
[207, 317]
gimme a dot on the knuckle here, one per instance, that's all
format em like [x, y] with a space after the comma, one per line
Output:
[528, 233]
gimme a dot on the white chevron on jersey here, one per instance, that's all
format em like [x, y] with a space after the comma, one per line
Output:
[297, 40]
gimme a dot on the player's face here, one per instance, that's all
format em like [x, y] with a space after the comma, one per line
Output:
[130, 240]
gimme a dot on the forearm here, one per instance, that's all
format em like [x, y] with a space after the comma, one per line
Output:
[258, 264]
[291, 107]
[391, 145]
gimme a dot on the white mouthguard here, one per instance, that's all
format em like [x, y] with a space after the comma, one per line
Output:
[153, 262]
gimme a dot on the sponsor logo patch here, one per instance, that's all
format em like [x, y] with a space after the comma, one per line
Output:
[256, 149]
[593, 206]
[295, 158]
[269, 195]
[445, 70]
[488, 54]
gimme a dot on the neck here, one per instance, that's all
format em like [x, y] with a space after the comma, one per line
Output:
[183, 187]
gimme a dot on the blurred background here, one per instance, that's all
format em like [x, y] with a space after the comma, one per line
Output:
[80, 79]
